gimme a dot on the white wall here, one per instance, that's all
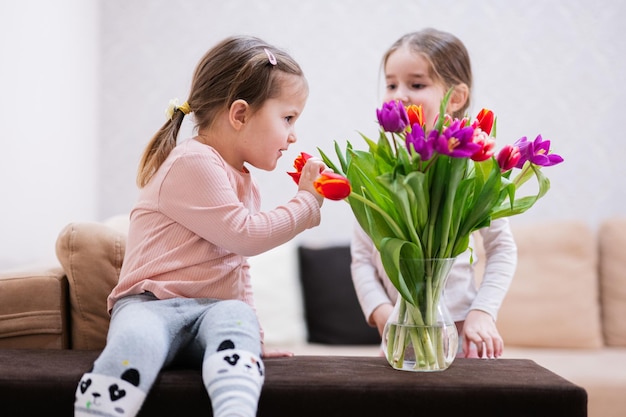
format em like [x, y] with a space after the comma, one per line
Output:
[48, 113]
[555, 67]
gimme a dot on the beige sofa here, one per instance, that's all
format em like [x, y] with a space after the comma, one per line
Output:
[564, 310]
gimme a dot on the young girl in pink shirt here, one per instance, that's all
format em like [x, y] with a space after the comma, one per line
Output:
[184, 291]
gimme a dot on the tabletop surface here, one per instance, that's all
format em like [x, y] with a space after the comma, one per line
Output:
[315, 386]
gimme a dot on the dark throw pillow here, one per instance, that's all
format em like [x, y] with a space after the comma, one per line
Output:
[332, 311]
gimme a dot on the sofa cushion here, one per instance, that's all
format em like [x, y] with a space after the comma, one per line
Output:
[332, 311]
[33, 309]
[601, 372]
[612, 236]
[91, 255]
[277, 295]
[553, 299]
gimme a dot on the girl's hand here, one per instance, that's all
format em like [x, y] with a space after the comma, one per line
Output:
[276, 353]
[380, 315]
[310, 172]
[480, 329]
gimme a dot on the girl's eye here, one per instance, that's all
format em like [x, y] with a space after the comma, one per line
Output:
[418, 86]
[391, 87]
[288, 119]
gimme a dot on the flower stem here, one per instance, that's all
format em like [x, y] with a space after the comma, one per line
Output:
[399, 233]
[415, 336]
[395, 145]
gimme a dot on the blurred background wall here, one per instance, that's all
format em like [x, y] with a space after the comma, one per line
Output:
[84, 85]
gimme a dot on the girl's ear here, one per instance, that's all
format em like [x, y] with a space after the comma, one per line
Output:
[238, 114]
[459, 97]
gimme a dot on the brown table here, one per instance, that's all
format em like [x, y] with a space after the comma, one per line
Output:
[36, 381]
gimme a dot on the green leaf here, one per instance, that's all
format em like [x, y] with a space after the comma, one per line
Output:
[330, 163]
[419, 198]
[461, 207]
[442, 110]
[407, 284]
[486, 196]
[403, 200]
[370, 201]
[522, 204]
[456, 171]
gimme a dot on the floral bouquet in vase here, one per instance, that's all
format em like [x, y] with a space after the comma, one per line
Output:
[419, 194]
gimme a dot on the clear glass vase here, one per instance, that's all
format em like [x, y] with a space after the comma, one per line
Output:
[420, 334]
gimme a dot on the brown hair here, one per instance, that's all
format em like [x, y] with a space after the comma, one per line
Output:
[447, 55]
[239, 67]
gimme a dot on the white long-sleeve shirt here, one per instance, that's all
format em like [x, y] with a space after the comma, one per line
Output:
[462, 294]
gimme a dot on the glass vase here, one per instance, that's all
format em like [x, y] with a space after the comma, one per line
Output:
[420, 334]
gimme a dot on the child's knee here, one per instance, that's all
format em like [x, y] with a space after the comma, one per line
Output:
[235, 310]
[230, 320]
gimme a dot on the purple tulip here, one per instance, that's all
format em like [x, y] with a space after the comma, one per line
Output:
[393, 117]
[537, 152]
[417, 140]
[456, 140]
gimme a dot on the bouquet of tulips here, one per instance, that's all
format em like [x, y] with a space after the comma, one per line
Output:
[420, 193]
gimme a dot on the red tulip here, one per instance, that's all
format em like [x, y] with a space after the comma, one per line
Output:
[487, 145]
[298, 164]
[508, 157]
[485, 120]
[416, 114]
[333, 186]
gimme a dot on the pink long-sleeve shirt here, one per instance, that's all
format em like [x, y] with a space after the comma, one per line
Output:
[195, 223]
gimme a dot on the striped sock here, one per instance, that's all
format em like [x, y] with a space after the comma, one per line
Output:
[233, 379]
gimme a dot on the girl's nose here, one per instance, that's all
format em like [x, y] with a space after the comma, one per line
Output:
[401, 96]
[292, 138]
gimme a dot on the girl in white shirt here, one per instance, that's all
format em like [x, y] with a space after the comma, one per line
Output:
[419, 69]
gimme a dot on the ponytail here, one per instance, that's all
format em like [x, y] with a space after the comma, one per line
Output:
[161, 144]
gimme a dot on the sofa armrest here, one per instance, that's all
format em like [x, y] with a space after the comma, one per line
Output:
[612, 236]
[33, 308]
[92, 255]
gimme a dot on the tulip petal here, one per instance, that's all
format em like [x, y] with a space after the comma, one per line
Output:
[295, 176]
[508, 157]
[537, 152]
[333, 186]
[392, 117]
[485, 120]
[415, 114]
[298, 164]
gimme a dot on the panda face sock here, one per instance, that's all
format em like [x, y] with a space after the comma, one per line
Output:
[105, 395]
[233, 379]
